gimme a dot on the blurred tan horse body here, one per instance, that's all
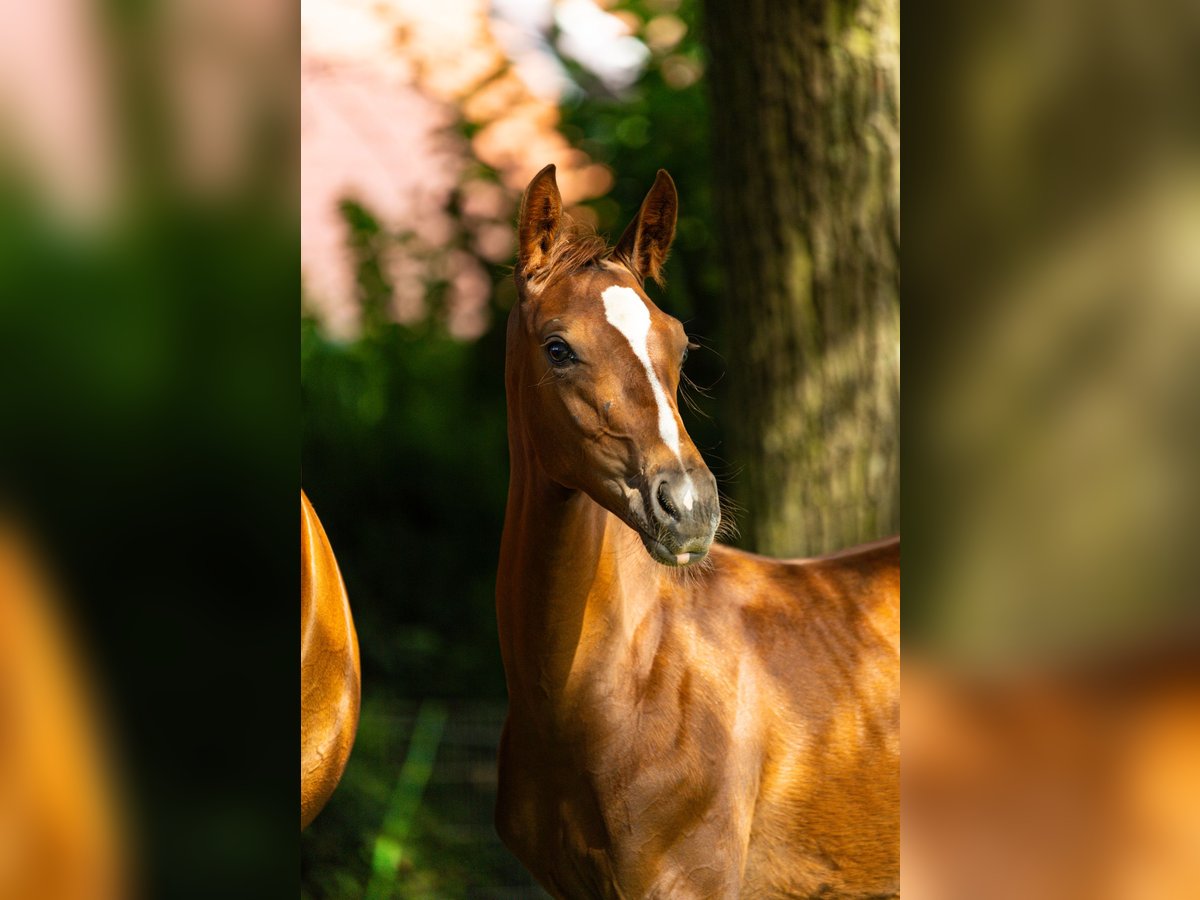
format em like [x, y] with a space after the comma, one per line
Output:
[61, 821]
[685, 719]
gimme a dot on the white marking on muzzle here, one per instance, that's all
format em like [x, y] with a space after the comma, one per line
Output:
[688, 497]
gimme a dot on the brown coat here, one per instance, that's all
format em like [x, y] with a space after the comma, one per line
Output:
[685, 720]
[329, 671]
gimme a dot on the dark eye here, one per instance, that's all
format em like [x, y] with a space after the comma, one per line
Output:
[560, 354]
[690, 346]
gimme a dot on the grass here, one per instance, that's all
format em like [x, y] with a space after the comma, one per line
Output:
[412, 817]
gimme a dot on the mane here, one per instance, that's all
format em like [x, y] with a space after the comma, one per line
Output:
[578, 245]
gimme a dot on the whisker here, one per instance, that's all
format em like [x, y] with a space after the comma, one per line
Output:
[727, 532]
[701, 344]
[685, 388]
[705, 392]
[725, 472]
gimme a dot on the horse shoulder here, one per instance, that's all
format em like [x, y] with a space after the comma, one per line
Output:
[820, 644]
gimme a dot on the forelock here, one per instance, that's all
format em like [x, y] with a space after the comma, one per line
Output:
[577, 246]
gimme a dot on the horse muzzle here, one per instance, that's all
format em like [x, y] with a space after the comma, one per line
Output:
[684, 513]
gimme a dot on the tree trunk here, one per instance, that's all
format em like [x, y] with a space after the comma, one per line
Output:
[806, 127]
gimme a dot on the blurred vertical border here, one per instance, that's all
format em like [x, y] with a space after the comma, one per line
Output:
[1051, 698]
[149, 423]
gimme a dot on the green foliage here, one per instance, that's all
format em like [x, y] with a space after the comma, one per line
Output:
[412, 817]
[657, 125]
[405, 461]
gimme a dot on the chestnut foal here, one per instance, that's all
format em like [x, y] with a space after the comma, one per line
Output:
[685, 720]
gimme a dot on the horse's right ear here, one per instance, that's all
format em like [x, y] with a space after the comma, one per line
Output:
[539, 223]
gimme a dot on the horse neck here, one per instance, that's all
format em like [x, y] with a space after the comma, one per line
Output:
[574, 584]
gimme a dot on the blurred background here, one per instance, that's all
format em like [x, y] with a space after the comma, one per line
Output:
[420, 127]
[149, 426]
[150, 167]
[1051, 695]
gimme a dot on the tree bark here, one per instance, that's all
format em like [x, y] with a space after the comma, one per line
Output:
[806, 131]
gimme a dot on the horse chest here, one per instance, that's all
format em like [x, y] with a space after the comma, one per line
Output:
[638, 841]
[636, 799]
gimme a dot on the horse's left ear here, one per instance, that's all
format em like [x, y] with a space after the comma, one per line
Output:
[539, 223]
[647, 241]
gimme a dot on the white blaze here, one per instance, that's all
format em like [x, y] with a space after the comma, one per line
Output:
[627, 313]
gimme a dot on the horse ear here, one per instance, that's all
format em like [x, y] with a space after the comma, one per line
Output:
[647, 241]
[539, 222]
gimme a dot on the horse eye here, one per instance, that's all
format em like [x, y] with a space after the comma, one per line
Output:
[560, 354]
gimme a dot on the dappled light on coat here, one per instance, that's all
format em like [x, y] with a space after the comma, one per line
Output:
[685, 719]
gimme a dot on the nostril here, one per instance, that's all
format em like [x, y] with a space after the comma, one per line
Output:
[664, 500]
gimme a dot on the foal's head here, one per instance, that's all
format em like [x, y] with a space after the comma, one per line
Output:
[594, 367]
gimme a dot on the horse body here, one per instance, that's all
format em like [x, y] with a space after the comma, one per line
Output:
[330, 676]
[692, 721]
